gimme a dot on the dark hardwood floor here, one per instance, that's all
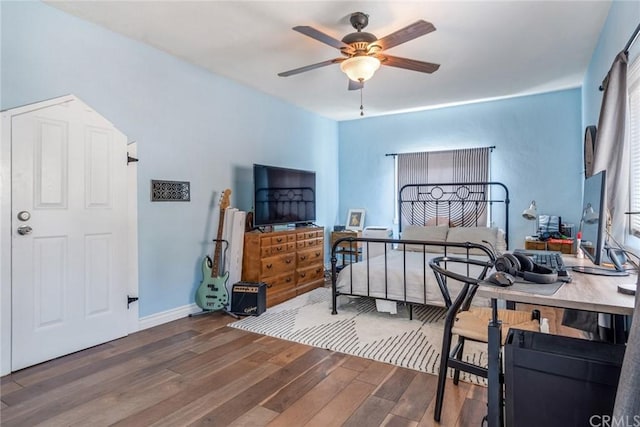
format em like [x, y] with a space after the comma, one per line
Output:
[198, 371]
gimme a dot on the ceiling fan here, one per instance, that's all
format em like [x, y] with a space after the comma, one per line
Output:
[364, 53]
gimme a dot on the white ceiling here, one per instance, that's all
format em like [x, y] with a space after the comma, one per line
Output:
[487, 49]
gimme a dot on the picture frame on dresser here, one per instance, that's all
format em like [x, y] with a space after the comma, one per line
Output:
[355, 220]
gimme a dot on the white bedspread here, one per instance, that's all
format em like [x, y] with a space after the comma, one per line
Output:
[417, 285]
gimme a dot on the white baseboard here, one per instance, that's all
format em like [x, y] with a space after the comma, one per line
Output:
[167, 316]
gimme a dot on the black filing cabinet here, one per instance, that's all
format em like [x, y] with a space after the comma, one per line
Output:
[552, 380]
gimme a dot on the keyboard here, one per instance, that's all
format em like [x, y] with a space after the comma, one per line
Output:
[549, 259]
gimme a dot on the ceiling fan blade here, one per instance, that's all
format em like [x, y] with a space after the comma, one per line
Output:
[355, 85]
[415, 30]
[310, 67]
[409, 64]
[321, 37]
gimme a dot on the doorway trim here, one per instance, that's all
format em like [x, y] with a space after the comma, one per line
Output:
[5, 228]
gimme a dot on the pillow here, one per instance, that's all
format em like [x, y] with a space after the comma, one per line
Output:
[430, 233]
[474, 235]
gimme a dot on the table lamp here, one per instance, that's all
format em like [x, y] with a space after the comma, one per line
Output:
[531, 214]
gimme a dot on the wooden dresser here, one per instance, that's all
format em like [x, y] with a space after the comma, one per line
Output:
[290, 262]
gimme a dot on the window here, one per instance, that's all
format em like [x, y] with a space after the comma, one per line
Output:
[463, 165]
[633, 85]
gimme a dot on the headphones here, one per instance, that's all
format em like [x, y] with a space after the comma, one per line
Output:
[521, 265]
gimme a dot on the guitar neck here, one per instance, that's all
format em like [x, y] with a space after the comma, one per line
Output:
[215, 271]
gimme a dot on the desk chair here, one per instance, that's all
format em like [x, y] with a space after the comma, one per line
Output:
[467, 322]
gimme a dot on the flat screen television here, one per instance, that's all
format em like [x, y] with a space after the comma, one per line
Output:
[283, 196]
[593, 224]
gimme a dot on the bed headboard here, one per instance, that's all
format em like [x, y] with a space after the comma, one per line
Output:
[461, 204]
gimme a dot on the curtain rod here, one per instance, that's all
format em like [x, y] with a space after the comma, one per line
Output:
[630, 43]
[492, 147]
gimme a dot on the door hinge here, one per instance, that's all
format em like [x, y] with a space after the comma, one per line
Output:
[131, 299]
[131, 159]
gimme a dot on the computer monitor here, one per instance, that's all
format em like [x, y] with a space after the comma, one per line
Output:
[593, 226]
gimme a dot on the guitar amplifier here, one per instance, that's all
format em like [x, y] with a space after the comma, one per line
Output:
[249, 298]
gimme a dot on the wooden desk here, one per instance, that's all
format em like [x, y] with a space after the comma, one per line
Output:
[585, 292]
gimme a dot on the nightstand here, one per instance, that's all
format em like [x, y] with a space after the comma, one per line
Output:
[350, 251]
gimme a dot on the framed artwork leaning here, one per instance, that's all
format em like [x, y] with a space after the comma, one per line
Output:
[355, 220]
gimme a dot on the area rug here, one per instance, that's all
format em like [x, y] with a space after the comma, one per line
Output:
[360, 330]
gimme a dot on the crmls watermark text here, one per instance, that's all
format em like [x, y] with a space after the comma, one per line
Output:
[609, 421]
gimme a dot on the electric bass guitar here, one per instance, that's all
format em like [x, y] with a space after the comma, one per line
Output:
[212, 293]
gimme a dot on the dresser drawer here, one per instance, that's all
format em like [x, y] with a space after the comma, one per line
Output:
[278, 249]
[310, 274]
[278, 264]
[265, 241]
[309, 257]
[314, 242]
[277, 240]
[281, 282]
[305, 235]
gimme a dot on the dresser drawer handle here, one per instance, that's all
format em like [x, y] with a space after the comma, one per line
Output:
[279, 239]
[288, 279]
[269, 265]
[303, 257]
[303, 274]
[288, 261]
[318, 270]
[279, 249]
[318, 254]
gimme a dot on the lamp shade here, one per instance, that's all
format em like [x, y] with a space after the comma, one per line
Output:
[531, 212]
[360, 68]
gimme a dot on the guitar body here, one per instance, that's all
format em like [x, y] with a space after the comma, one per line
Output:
[212, 293]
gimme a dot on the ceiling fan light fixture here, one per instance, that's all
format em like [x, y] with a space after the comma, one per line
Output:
[360, 68]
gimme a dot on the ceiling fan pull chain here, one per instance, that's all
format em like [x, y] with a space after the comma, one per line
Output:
[361, 104]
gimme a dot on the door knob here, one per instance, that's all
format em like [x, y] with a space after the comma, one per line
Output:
[24, 216]
[24, 229]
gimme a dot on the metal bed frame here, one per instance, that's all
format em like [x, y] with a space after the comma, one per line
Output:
[465, 204]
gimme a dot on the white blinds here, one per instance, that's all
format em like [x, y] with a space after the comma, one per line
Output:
[634, 144]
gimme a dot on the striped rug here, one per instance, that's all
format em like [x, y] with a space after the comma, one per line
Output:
[360, 330]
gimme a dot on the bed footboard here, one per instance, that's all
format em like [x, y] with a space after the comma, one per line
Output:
[398, 270]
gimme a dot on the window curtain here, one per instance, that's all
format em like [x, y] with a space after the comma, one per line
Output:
[611, 151]
[609, 155]
[451, 166]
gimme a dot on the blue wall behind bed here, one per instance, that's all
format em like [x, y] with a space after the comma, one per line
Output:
[538, 154]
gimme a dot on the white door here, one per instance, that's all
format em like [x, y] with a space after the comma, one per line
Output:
[69, 199]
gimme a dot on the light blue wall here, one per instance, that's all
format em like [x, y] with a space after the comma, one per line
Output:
[189, 125]
[537, 154]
